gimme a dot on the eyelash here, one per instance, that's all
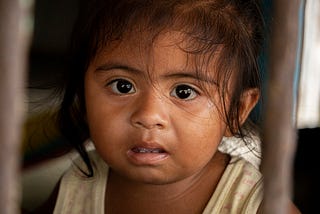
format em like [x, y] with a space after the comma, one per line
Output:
[185, 89]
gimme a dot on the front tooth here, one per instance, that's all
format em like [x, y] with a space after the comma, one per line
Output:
[146, 150]
[143, 150]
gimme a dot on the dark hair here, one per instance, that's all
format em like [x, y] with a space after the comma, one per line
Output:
[233, 26]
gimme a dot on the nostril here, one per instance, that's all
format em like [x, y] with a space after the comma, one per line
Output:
[148, 126]
[159, 125]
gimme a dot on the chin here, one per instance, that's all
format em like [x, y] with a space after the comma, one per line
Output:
[152, 177]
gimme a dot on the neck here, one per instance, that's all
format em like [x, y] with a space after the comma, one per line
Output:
[192, 193]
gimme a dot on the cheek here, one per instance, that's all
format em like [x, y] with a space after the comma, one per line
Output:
[207, 124]
[100, 122]
[104, 125]
[100, 114]
[200, 139]
[108, 139]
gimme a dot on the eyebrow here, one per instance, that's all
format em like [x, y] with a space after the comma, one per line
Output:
[115, 65]
[172, 74]
[193, 75]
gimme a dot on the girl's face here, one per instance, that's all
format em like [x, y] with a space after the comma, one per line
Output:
[148, 114]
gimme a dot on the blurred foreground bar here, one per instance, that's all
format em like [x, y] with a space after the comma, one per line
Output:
[279, 132]
[15, 32]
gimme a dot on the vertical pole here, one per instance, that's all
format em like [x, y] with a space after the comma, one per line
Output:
[279, 133]
[15, 32]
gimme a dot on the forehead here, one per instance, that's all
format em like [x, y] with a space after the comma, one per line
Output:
[170, 50]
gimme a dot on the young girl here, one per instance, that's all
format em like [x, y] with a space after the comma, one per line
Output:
[156, 86]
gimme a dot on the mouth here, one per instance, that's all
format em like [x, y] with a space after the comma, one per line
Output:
[150, 156]
[147, 150]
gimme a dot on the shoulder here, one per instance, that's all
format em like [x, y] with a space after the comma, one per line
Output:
[76, 187]
[242, 169]
[239, 189]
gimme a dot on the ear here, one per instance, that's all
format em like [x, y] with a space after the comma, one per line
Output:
[248, 100]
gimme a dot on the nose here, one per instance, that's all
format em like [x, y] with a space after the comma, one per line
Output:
[150, 112]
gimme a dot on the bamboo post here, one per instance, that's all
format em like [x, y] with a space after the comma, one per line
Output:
[279, 135]
[15, 32]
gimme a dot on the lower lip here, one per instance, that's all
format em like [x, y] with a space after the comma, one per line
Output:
[146, 158]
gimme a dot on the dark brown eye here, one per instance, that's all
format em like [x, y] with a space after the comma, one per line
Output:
[122, 86]
[184, 92]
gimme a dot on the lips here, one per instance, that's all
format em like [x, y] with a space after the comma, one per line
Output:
[144, 155]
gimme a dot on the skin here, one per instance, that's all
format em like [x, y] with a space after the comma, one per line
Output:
[156, 141]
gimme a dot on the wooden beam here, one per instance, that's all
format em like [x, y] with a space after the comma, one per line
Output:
[15, 32]
[279, 134]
